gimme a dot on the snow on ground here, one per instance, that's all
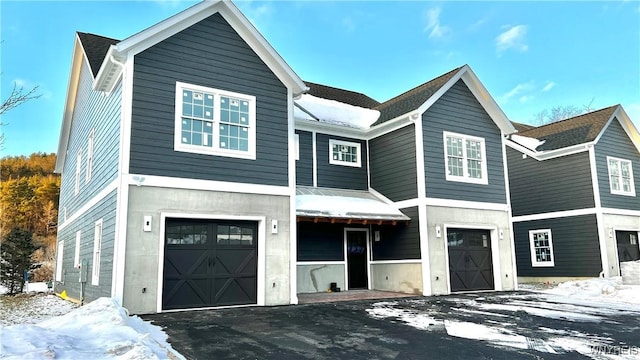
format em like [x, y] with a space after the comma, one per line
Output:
[582, 301]
[46, 327]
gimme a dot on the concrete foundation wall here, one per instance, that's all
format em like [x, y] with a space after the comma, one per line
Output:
[469, 218]
[142, 260]
[318, 277]
[399, 277]
[612, 223]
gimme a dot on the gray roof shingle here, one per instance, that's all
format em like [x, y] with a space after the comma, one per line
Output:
[341, 95]
[573, 131]
[412, 99]
[95, 47]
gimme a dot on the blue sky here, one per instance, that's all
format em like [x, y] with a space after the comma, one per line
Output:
[529, 55]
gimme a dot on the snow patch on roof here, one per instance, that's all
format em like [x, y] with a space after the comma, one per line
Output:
[346, 207]
[529, 143]
[334, 112]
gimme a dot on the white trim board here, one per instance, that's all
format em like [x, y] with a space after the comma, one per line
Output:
[90, 204]
[207, 185]
[555, 214]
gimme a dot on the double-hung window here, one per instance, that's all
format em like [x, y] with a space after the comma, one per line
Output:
[97, 249]
[344, 153]
[90, 142]
[216, 122]
[541, 246]
[621, 176]
[76, 255]
[465, 158]
[78, 167]
[59, 258]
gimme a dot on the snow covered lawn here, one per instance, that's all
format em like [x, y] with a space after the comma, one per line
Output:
[44, 326]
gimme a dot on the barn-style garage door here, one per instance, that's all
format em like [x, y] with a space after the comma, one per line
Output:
[470, 263]
[209, 263]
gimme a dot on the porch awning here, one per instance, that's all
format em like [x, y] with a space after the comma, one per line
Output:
[344, 206]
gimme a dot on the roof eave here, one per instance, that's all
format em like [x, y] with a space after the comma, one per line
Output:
[109, 72]
[69, 107]
[627, 125]
[169, 27]
[550, 154]
[314, 125]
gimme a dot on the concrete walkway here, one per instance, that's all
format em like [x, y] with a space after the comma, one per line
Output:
[311, 298]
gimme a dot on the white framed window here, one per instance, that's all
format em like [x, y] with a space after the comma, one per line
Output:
[78, 167]
[465, 158]
[76, 256]
[344, 153]
[97, 248]
[621, 176]
[214, 122]
[59, 257]
[89, 170]
[541, 246]
[296, 139]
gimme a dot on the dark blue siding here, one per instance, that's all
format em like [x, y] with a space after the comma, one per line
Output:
[304, 166]
[100, 113]
[400, 242]
[320, 242]
[458, 111]
[576, 248]
[393, 164]
[558, 184]
[105, 210]
[209, 54]
[338, 176]
[615, 142]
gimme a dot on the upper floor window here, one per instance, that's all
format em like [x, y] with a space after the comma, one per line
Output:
[465, 158]
[78, 167]
[90, 142]
[217, 122]
[541, 246]
[620, 176]
[344, 153]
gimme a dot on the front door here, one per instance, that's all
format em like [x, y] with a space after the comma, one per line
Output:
[357, 260]
[470, 262]
[209, 263]
[628, 249]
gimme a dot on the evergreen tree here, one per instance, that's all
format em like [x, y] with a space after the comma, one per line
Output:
[15, 258]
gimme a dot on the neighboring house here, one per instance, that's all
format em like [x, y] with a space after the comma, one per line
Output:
[198, 170]
[575, 187]
[436, 153]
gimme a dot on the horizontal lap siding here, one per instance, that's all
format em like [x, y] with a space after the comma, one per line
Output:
[209, 54]
[576, 249]
[399, 242]
[558, 184]
[105, 210]
[458, 111]
[339, 176]
[393, 164]
[304, 166]
[101, 113]
[320, 242]
[616, 143]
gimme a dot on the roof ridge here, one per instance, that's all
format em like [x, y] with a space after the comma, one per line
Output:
[417, 88]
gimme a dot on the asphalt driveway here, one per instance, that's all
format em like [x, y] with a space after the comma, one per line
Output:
[512, 325]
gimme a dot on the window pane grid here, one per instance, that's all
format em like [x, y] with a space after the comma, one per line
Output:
[541, 248]
[621, 176]
[234, 124]
[464, 157]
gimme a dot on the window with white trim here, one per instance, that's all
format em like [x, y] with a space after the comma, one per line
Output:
[97, 248]
[89, 169]
[76, 256]
[344, 153]
[296, 139]
[465, 158]
[78, 166]
[621, 176]
[216, 122]
[541, 246]
[59, 258]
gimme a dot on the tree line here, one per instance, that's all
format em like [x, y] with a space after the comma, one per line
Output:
[29, 192]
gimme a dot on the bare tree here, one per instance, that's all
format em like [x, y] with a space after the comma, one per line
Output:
[18, 96]
[558, 113]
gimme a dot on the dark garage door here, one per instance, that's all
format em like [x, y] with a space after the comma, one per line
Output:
[470, 263]
[209, 263]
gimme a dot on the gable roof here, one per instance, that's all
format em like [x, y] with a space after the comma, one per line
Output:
[341, 95]
[412, 99]
[573, 131]
[522, 127]
[95, 49]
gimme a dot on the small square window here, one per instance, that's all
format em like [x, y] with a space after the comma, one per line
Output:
[344, 153]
